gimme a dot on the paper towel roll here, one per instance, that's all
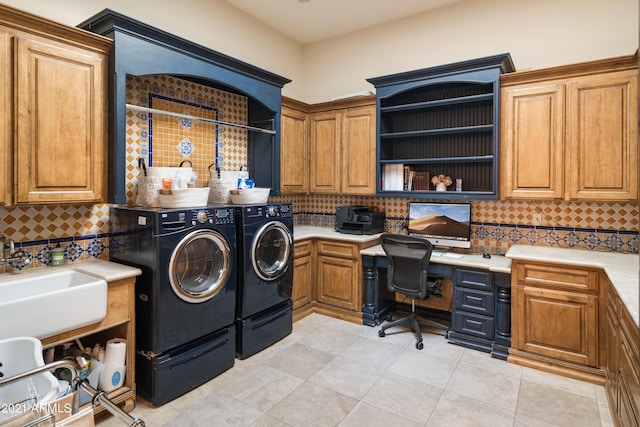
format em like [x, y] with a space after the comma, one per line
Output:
[116, 352]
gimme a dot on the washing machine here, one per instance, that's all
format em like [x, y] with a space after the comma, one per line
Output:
[185, 297]
[264, 312]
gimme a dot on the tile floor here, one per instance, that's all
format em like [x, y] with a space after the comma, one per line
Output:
[329, 372]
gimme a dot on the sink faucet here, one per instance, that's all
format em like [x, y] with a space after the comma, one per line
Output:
[15, 258]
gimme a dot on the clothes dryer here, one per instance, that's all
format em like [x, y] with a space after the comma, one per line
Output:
[265, 276]
[185, 297]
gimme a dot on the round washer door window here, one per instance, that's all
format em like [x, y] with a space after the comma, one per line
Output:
[199, 266]
[270, 250]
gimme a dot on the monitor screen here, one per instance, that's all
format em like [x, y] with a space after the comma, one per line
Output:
[443, 224]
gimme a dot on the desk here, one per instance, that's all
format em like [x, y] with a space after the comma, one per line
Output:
[481, 301]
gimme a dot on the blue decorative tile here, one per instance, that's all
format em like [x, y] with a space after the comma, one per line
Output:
[43, 256]
[592, 241]
[95, 249]
[185, 147]
[14, 264]
[515, 235]
[497, 234]
[632, 244]
[186, 123]
[552, 238]
[482, 232]
[613, 242]
[571, 239]
[532, 236]
[73, 252]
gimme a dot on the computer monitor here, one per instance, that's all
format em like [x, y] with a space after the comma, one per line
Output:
[445, 225]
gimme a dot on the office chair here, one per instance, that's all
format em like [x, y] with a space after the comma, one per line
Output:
[407, 274]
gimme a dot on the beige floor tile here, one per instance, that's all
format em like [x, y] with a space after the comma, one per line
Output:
[461, 411]
[557, 407]
[484, 360]
[300, 360]
[329, 339]
[313, 406]
[263, 387]
[365, 415]
[377, 353]
[404, 397]
[219, 409]
[424, 367]
[268, 421]
[346, 376]
[484, 385]
[561, 383]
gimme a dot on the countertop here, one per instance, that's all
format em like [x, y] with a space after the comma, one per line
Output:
[621, 269]
[301, 232]
[102, 269]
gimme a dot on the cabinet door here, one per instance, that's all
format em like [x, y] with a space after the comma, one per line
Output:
[294, 152]
[325, 153]
[338, 282]
[6, 160]
[61, 106]
[533, 141]
[557, 324]
[603, 139]
[359, 151]
[302, 274]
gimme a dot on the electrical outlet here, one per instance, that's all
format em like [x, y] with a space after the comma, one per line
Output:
[537, 219]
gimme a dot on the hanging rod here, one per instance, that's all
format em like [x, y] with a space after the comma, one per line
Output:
[200, 119]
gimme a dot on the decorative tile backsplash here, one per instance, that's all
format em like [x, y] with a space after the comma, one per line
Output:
[83, 230]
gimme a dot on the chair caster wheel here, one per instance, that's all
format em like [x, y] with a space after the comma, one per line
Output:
[419, 345]
[381, 333]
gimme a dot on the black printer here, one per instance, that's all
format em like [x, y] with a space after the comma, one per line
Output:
[359, 220]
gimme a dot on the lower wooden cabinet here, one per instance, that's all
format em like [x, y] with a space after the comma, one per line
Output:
[327, 278]
[302, 274]
[623, 363]
[555, 320]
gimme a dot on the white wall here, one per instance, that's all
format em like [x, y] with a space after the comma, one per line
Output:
[537, 33]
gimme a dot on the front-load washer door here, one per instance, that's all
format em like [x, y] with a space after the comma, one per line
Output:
[270, 251]
[200, 266]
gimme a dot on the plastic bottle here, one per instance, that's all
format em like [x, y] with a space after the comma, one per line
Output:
[57, 255]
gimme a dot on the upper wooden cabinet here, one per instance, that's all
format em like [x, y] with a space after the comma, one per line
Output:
[53, 104]
[328, 148]
[294, 151]
[571, 132]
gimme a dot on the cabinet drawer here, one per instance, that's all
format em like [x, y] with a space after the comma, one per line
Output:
[555, 277]
[473, 300]
[301, 249]
[476, 325]
[338, 249]
[474, 279]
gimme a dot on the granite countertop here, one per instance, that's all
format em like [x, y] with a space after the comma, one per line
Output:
[102, 269]
[301, 232]
[621, 269]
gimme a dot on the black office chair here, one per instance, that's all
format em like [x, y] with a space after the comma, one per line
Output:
[407, 274]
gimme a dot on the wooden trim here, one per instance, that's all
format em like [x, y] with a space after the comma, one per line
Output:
[360, 101]
[33, 24]
[572, 70]
[558, 367]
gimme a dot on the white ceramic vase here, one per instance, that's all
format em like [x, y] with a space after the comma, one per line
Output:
[441, 186]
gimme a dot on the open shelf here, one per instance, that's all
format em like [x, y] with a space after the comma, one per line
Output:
[442, 120]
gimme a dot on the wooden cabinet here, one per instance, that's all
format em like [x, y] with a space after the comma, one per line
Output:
[555, 319]
[339, 275]
[623, 363]
[580, 121]
[302, 274]
[328, 148]
[294, 151]
[343, 153]
[441, 120]
[119, 322]
[54, 104]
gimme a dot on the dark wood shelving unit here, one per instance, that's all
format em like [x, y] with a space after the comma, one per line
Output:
[442, 119]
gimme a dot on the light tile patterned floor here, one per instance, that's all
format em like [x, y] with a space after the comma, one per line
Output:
[329, 372]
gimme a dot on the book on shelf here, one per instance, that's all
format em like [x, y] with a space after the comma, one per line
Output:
[408, 178]
[393, 177]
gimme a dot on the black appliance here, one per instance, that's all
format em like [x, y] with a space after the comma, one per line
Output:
[264, 311]
[185, 297]
[358, 220]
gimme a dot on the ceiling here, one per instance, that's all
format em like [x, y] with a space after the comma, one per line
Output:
[308, 21]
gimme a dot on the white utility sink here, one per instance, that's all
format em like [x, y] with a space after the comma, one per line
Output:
[46, 304]
[19, 355]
